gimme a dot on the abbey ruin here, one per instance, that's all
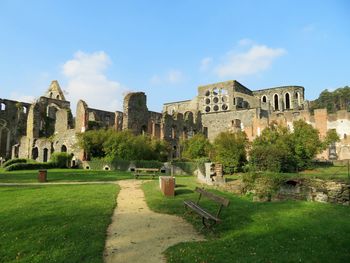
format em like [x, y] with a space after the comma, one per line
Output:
[37, 130]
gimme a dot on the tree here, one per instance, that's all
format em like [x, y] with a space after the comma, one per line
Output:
[230, 150]
[271, 151]
[92, 142]
[306, 143]
[196, 147]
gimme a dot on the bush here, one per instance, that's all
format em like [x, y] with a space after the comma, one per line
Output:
[148, 164]
[230, 151]
[187, 167]
[12, 161]
[196, 147]
[29, 166]
[61, 160]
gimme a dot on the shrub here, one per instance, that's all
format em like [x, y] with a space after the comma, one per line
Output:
[196, 147]
[230, 150]
[29, 166]
[187, 167]
[148, 164]
[60, 159]
[12, 161]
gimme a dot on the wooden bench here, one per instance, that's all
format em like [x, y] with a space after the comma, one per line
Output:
[145, 171]
[208, 219]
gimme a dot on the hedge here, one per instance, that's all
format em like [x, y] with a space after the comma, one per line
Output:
[187, 167]
[12, 161]
[29, 166]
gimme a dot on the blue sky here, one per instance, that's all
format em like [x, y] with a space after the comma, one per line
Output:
[99, 50]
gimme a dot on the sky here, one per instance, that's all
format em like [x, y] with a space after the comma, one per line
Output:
[100, 50]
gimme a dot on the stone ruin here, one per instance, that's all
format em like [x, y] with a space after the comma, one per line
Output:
[38, 129]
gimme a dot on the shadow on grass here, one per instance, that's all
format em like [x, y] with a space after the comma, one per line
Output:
[288, 231]
[183, 191]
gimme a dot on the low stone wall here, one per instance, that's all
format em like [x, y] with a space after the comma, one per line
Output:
[315, 190]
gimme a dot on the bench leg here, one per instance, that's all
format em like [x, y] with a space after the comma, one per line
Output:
[208, 224]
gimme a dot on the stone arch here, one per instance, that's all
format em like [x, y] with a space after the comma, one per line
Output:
[276, 101]
[264, 99]
[58, 97]
[287, 101]
[35, 153]
[25, 109]
[63, 148]
[51, 110]
[188, 116]
[45, 155]
[51, 94]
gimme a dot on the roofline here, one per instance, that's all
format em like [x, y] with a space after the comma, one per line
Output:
[175, 102]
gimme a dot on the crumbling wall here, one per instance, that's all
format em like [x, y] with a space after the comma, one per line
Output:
[136, 115]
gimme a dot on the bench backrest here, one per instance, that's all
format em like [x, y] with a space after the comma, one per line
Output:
[220, 200]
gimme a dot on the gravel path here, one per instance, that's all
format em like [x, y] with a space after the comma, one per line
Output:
[137, 234]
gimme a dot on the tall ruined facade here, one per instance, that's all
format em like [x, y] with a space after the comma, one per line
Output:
[37, 130]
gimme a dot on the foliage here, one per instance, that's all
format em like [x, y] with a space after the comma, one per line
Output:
[29, 166]
[187, 167]
[92, 142]
[331, 137]
[279, 150]
[230, 150]
[12, 161]
[271, 151]
[61, 159]
[122, 145]
[265, 184]
[333, 101]
[306, 143]
[196, 147]
[65, 223]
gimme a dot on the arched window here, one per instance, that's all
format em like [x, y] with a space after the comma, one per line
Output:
[173, 132]
[297, 97]
[287, 101]
[2, 106]
[264, 99]
[63, 148]
[58, 97]
[50, 94]
[35, 153]
[25, 109]
[275, 99]
[45, 155]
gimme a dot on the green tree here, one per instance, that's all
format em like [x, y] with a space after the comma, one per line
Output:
[230, 150]
[271, 151]
[92, 142]
[306, 143]
[196, 147]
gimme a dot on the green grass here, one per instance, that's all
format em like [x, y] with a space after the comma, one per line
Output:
[290, 231]
[63, 175]
[55, 223]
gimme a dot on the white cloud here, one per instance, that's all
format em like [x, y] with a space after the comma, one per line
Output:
[205, 63]
[256, 59]
[87, 80]
[245, 42]
[170, 77]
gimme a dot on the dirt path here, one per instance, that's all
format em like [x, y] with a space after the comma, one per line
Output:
[139, 235]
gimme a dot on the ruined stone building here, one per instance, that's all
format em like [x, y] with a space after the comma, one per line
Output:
[46, 126]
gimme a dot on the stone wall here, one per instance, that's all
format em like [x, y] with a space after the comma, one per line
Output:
[315, 190]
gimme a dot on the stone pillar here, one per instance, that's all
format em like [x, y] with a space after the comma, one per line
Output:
[8, 144]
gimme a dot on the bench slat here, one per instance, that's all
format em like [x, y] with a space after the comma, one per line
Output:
[213, 197]
[201, 211]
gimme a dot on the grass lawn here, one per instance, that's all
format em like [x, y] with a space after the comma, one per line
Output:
[61, 175]
[289, 231]
[55, 223]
